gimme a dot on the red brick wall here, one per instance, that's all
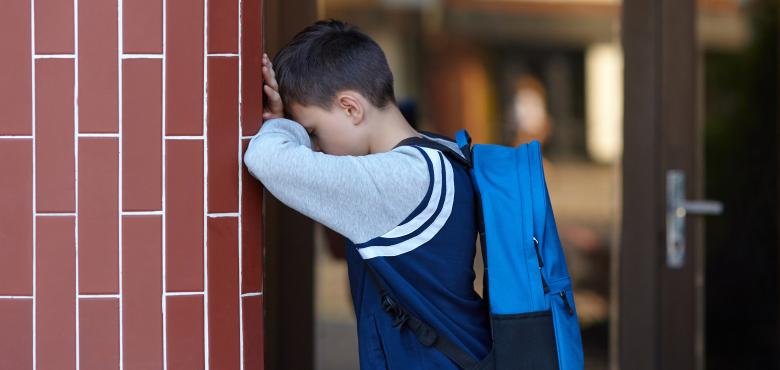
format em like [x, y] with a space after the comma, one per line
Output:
[130, 232]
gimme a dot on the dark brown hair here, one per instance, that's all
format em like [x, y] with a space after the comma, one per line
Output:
[328, 57]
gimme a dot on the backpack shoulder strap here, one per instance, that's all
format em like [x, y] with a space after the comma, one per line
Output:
[421, 141]
[463, 139]
[427, 335]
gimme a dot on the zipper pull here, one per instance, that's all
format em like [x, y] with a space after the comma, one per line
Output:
[566, 302]
[538, 255]
[544, 283]
[539, 260]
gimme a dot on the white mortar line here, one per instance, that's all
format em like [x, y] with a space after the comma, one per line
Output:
[164, 182]
[222, 54]
[16, 136]
[252, 294]
[170, 294]
[141, 213]
[98, 134]
[97, 296]
[142, 56]
[183, 137]
[76, 169]
[205, 189]
[55, 214]
[217, 215]
[16, 297]
[34, 188]
[54, 56]
[240, 165]
[120, 71]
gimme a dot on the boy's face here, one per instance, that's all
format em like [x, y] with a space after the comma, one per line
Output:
[332, 131]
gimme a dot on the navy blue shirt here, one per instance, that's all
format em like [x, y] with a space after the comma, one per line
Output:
[427, 263]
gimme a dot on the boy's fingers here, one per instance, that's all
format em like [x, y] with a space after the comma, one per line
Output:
[270, 79]
[274, 100]
[272, 94]
[266, 74]
[272, 74]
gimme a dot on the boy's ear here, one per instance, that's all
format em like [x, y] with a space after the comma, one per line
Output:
[352, 106]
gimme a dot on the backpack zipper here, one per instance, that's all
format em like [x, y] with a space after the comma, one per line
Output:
[562, 293]
[538, 256]
[541, 263]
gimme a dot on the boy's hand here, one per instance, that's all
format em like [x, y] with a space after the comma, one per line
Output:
[274, 107]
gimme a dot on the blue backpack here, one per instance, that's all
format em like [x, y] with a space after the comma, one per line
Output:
[527, 284]
[533, 318]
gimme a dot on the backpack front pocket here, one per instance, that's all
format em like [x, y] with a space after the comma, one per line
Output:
[524, 341]
[567, 329]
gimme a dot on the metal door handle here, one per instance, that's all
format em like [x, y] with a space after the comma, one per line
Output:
[677, 207]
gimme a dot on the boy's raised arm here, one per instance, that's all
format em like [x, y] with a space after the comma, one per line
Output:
[360, 197]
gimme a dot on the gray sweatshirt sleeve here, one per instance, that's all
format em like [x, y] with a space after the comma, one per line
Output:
[359, 197]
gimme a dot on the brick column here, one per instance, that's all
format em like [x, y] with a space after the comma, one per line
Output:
[130, 232]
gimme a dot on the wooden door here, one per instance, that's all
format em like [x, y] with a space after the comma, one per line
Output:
[659, 324]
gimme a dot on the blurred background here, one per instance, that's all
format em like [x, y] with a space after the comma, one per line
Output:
[618, 93]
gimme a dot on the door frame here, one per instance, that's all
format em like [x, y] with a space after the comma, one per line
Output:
[288, 235]
[660, 310]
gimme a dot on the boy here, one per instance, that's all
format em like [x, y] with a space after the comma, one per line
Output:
[400, 197]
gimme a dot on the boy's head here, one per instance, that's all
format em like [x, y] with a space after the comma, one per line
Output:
[331, 77]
